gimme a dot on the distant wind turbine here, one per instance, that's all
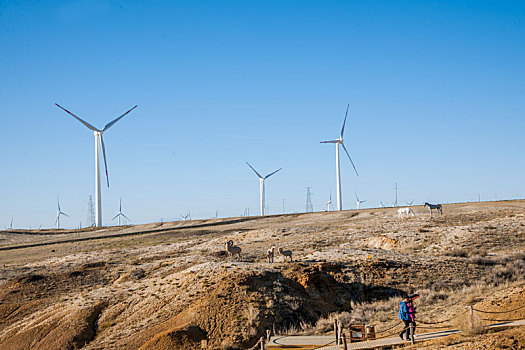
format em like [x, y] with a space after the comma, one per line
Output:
[59, 212]
[261, 182]
[329, 203]
[410, 203]
[358, 201]
[338, 142]
[120, 213]
[99, 141]
[10, 227]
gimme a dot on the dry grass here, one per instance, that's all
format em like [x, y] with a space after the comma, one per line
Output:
[450, 261]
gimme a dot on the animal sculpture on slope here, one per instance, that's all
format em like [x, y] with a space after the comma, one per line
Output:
[286, 253]
[434, 206]
[233, 250]
[405, 212]
[270, 254]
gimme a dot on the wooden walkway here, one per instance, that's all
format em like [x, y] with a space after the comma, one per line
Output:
[298, 342]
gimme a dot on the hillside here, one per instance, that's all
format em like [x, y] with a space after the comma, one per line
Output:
[169, 285]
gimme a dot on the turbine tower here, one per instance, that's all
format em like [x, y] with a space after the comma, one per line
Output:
[120, 213]
[329, 203]
[338, 142]
[99, 141]
[59, 212]
[261, 182]
[358, 201]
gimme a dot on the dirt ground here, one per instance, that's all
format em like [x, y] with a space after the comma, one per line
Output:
[171, 285]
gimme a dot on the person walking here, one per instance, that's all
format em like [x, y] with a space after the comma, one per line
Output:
[412, 314]
[405, 317]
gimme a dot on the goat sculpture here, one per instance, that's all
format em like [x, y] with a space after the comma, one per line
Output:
[285, 253]
[233, 250]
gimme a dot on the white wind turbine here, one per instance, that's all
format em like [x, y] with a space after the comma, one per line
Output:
[329, 203]
[261, 182]
[59, 212]
[338, 142]
[358, 201]
[120, 213]
[99, 141]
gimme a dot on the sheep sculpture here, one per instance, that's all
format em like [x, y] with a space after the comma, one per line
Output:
[270, 253]
[286, 253]
[233, 250]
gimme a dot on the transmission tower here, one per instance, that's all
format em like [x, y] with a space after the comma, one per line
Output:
[309, 206]
[396, 194]
[91, 212]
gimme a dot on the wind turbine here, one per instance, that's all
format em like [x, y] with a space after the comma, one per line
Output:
[358, 201]
[59, 212]
[338, 142]
[261, 182]
[329, 203]
[120, 213]
[99, 141]
[410, 203]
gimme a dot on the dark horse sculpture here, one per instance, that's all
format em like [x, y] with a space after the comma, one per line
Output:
[434, 206]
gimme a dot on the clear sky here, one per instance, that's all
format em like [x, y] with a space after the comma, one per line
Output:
[436, 92]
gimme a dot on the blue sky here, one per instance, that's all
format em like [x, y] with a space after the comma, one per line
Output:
[436, 92]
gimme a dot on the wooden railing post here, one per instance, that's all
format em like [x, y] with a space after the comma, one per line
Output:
[262, 343]
[339, 331]
[412, 333]
[335, 330]
[344, 342]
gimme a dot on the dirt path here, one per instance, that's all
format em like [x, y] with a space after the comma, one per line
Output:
[310, 342]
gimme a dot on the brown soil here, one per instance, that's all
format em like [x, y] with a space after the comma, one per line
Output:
[170, 285]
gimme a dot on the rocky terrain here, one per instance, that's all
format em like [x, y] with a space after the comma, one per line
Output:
[171, 285]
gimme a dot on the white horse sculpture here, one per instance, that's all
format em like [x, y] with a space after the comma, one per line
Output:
[407, 211]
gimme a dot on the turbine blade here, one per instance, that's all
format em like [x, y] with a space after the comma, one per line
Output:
[333, 141]
[104, 155]
[267, 176]
[343, 128]
[58, 204]
[120, 206]
[126, 217]
[348, 154]
[56, 220]
[64, 214]
[89, 126]
[356, 197]
[116, 216]
[110, 124]
[255, 171]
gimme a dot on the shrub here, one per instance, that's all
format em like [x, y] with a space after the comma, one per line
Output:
[458, 253]
[509, 272]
